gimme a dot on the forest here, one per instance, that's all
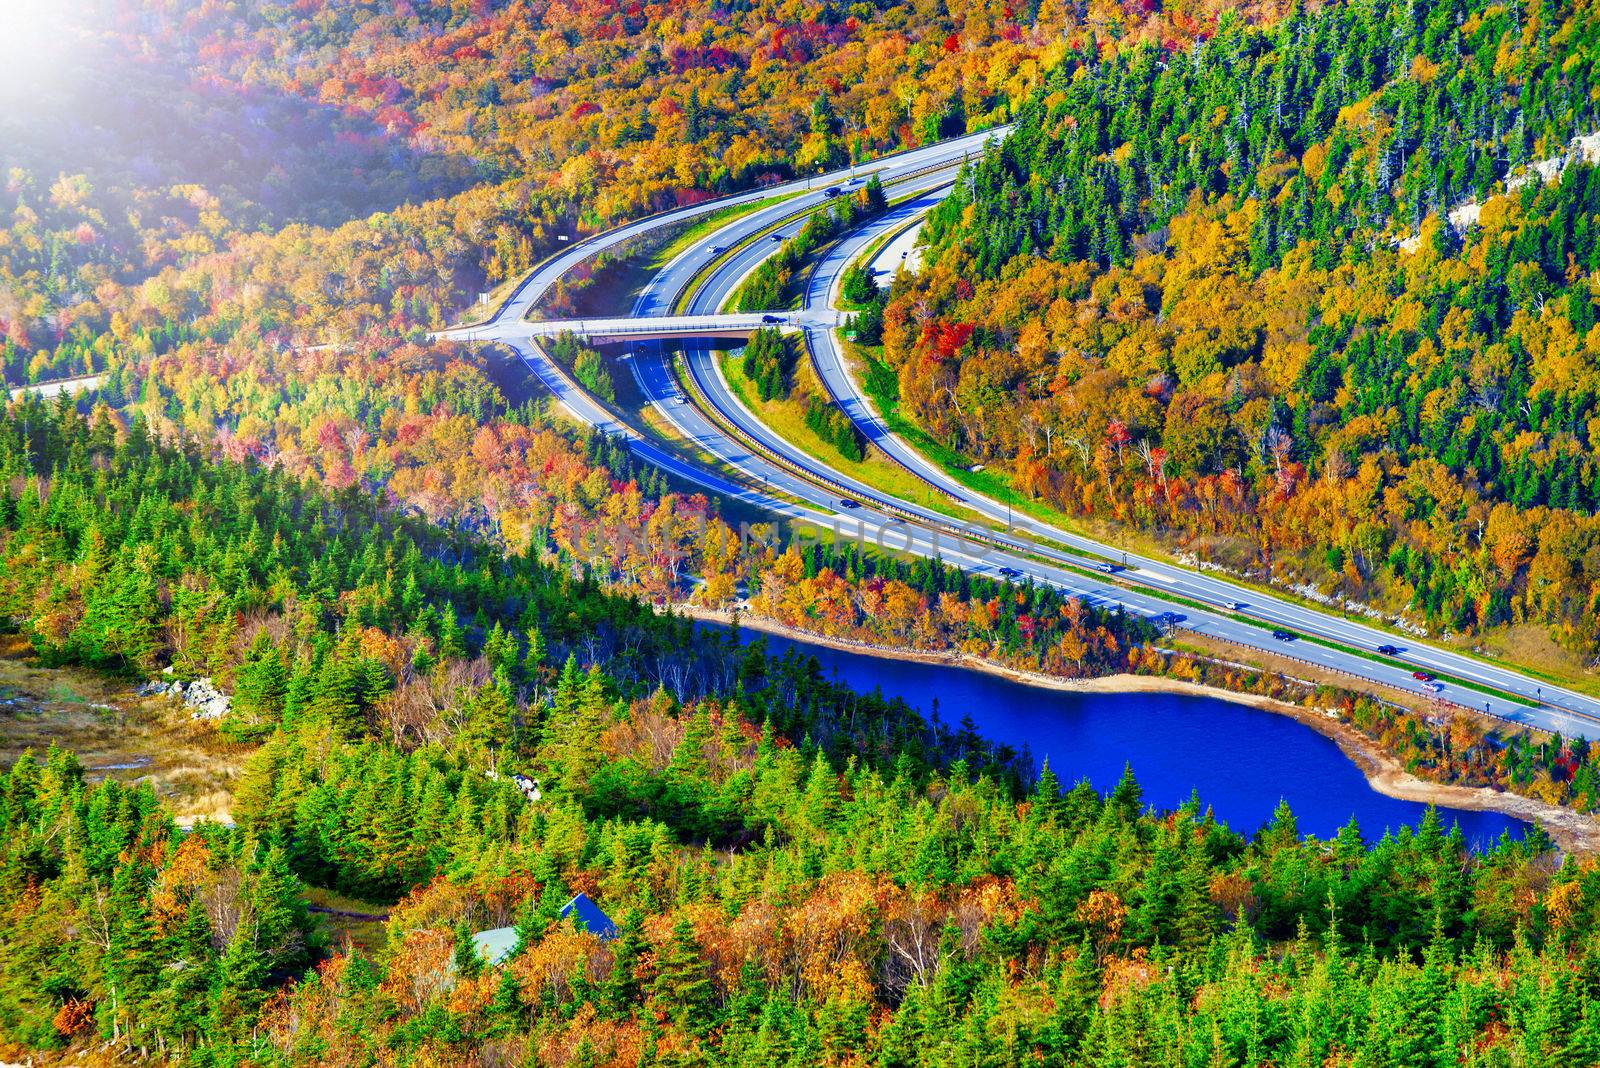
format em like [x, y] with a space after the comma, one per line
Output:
[800, 874]
[1234, 296]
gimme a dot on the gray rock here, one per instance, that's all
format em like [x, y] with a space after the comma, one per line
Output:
[205, 701]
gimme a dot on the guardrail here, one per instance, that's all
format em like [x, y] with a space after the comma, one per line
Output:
[686, 325]
[1433, 697]
[54, 386]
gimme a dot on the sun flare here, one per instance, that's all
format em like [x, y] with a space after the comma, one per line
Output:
[37, 39]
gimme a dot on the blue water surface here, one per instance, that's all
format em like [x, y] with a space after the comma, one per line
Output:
[1242, 760]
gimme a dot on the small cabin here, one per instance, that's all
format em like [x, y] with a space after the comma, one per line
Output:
[496, 944]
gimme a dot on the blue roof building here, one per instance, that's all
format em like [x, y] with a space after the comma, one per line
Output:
[590, 918]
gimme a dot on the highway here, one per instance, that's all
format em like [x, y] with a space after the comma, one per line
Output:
[823, 493]
[508, 320]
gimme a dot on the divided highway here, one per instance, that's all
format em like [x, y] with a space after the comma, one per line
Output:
[825, 496]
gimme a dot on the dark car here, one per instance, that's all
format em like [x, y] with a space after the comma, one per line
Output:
[1283, 636]
[1422, 676]
[832, 191]
[1010, 572]
[846, 502]
[1388, 650]
[772, 318]
[777, 237]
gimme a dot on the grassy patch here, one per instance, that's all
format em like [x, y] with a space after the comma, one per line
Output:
[347, 920]
[115, 733]
[787, 419]
[480, 312]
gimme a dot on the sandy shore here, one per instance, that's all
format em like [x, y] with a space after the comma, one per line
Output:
[1573, 831]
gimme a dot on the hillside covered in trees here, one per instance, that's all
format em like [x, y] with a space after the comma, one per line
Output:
[203, 172]
[800, 874]
[1224, 291]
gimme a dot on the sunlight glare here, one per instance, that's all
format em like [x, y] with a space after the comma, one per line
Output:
[36, 46]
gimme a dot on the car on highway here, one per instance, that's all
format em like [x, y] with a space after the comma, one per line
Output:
[1010, 572]
[714, 249]
[777, 237]
[846, 502]
[1422, 676]
[1283, 636]
[770, 318]
[1388, 650]
[1434, 687]
[1233, 606]
[832, 191]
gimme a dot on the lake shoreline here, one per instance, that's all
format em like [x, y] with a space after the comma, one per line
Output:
[1574, 832]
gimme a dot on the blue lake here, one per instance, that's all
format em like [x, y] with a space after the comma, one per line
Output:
[1241, 760]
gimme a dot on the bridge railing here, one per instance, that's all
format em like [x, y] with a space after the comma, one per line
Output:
[686, 325]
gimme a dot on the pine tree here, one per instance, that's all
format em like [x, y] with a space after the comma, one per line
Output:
[179, 1009]
[682, 988]
[506, 1010]
[820, 803]
[452, 643]
[261, 683]
[131, 964]
[620, 991]
[238, 992]
[533, 662]
[489, 715]
[282, 923]
[1127, 798]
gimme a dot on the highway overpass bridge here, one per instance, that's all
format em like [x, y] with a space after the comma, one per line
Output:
[654, 328]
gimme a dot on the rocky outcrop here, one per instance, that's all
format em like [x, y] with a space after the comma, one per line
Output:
[1464, 216]
[202, 696]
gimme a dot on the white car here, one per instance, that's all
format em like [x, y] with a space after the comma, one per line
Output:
[1233, 606]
